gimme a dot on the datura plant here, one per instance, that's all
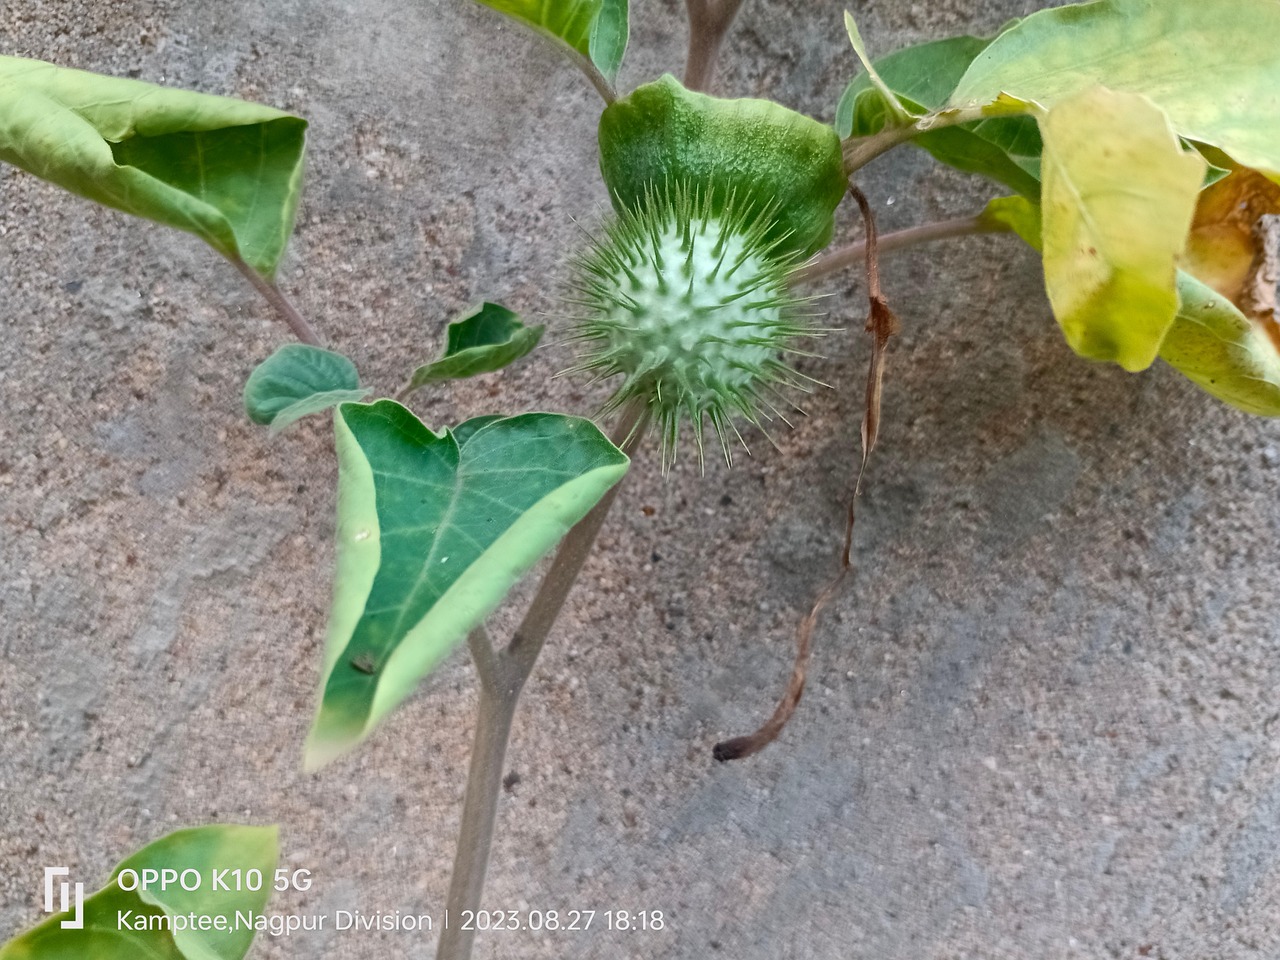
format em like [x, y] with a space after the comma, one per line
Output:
[1137, 145]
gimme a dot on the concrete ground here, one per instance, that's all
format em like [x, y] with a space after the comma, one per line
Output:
[1039, 721]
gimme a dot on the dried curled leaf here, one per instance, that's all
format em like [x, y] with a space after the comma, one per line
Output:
[1227, 246]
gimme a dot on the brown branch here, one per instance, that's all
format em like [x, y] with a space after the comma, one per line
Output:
[709, 21]
[847, 256]
[881, 324]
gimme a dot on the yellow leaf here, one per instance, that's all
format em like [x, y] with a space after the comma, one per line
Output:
[1117, 199]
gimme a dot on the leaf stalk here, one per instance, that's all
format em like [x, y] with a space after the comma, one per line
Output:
[279, 302]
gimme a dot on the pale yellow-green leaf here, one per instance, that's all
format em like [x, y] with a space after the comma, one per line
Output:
[1213, 66]
[1117, 197]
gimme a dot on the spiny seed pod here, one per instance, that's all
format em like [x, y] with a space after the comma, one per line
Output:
[687, 301]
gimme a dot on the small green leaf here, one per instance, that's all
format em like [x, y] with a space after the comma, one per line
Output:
[1222, 351]
[756, 152]
[1118, 196]
[432, 533]
[900, 114]
[226, 170]
[924, 74]
[1211, 65]
[297, 380]
[609, 35]
[149, 929]
[1005, 149]
[488, 339]
[596, 29]
[1016, 214]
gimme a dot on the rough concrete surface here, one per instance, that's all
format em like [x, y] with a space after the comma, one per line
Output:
[1039, 722]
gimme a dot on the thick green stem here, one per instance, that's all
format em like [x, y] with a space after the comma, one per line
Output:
[859, 151]
[502, 676]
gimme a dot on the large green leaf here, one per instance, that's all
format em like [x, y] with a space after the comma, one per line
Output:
[487, 339]
[750, 153]
[298, 380]
[596, 29]
[226, 170]
[433, 530]
[157, 922]
[1211, 65]
[1118, 195]
[1005, 149]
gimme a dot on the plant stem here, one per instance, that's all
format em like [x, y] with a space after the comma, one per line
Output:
[859, 151]
[598, 79]
[502, 677]
[855, 253]
[273, 295]
[496, 711]
[709, 21]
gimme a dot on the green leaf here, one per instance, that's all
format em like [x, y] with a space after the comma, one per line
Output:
[924, 74]
[900, 114]
[488, 339]
[203, 850]
[1222, 351]
[298, 380]
[1211, 65]
[756, 152]
[226, 170]
[922, 77]
[1016, 214]
[433, 530]
[596, 29]
[608, 41]
[1118, 196]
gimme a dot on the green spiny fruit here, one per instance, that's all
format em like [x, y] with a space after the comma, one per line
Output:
[687, 301]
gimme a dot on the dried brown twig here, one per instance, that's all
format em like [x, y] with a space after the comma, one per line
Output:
[882, 324]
